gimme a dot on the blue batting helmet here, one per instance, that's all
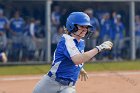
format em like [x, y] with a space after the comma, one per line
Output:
[77, 18]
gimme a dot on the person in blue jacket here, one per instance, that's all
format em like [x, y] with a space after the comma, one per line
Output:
[4, 25]
[17, 25]
[118, 37]
[69, 57]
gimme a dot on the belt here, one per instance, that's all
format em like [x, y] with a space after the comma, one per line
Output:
[62, 81]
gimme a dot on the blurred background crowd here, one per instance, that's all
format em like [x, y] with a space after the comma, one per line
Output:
[23, 33]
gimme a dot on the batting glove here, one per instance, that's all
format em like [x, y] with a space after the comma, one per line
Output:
[107, 45]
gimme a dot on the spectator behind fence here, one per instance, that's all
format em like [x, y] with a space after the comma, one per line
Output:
[137, 33]
[56, 37]
[63, 17]
[30, 39]
[95, 23]
[118, 37]
[4, 25]
[17, 25]
[40, 34]
[105, 34]
[55, 18]
[114, 17]
[106, 27]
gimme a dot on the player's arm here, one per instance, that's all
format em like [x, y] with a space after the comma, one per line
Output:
[85, 57]
[82, 58]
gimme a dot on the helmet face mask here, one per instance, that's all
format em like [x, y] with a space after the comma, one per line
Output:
[78, 27]
[79, 30]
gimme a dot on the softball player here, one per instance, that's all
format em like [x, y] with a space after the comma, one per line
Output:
[69, 57]
[17, 25]
[4, 25]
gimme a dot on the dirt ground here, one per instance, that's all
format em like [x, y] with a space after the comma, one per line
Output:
[105, 82]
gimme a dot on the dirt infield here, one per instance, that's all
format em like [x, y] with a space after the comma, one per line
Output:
[106, 82]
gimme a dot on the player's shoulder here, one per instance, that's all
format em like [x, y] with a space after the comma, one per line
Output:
[67, 37]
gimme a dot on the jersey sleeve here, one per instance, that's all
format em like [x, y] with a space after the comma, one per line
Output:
[70, 46]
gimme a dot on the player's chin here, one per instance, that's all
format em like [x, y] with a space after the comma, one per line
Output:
[83, 35]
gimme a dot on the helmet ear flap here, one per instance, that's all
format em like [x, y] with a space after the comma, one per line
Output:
[75, 29]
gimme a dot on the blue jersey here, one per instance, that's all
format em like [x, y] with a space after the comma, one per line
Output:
[17, 25]
[106, 29]
[137, 29]
[3, 23]
[95, 23]
[118, 28]
[63, 67]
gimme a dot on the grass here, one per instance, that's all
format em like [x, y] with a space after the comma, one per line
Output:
[24, 70]
[113, 66]
[42, 69]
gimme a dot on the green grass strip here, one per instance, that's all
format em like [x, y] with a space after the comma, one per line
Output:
[24, 70]
[98, 66]
[113, 66]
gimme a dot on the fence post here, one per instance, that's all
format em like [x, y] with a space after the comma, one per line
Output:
[132, 29]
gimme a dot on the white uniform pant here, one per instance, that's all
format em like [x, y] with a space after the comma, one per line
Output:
[3, 41]
[49, 85]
